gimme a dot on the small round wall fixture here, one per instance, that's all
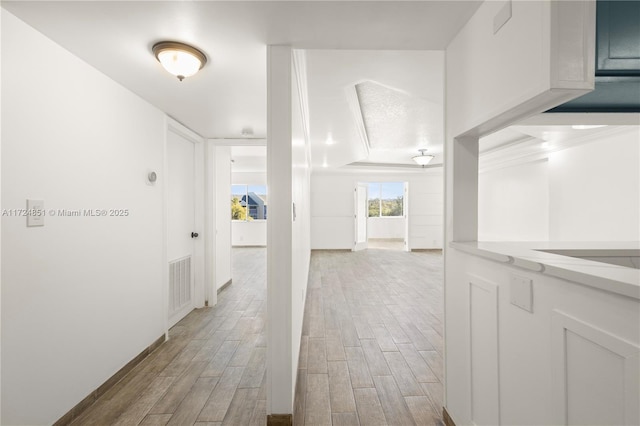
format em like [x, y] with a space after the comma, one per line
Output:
[179, 59]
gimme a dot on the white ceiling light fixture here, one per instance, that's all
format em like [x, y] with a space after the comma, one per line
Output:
[587, 126]
[179, 59]
[329, 140]
[423, 159]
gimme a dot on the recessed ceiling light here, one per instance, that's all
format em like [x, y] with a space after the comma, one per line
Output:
[587, 126]
[329, 140]
[179, 59]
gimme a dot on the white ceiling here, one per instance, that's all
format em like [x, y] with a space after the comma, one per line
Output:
[230, 92]
[397, 120]
[409, 80]
[537, 137]
[393, 49]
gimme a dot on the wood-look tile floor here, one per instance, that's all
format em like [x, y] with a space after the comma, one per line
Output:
[211, 371]
[371, 351]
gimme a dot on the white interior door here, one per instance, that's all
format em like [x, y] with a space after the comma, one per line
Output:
[361, 210]
[181, 224]
[405, 213]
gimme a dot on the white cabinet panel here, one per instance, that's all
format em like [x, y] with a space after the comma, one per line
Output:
[596, 376]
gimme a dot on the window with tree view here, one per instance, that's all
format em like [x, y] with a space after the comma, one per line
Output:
[248, 202]
[386, 199]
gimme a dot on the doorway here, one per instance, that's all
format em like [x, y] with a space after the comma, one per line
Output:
[181, 226]
[382, 216]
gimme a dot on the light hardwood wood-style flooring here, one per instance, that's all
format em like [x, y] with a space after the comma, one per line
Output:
[371, 351]
[211, 371]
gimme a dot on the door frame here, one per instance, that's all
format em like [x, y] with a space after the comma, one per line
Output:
[357, 246]
[405, 212]
[201, 280]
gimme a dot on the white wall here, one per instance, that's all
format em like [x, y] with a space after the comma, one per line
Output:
[332, 207]
[223, 215]
[513, 203]
[248, 178]
[1, 13]
[386, 227]
[589, 192]
[248, 234]
[594, 190]
[288, 245]
[542, 56]
[81, 296]
[280, 391]
[301, 200]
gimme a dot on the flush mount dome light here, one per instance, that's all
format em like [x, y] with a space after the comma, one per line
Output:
[423, 159]
[179, 59]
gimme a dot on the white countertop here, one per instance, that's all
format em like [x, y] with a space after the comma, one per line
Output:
[611, 278]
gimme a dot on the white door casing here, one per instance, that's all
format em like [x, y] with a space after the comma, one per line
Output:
[361, 209]
[181, 223]
[405, 212]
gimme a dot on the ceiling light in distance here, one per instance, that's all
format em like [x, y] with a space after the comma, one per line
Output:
[423, 159]
[178, 58]
[587, 126]
[329, 140]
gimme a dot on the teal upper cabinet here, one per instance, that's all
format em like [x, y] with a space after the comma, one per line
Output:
[618, 35]
[617, 85]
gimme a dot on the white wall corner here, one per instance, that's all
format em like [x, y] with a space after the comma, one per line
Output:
[279, 230]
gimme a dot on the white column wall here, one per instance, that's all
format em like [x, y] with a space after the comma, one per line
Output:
[288, 244]
[279, 232]
[81, 296]
[332, 207]
[1, 12]
[301, 205]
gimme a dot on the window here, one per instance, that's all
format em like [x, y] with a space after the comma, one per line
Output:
[248, 202]
[386, 199]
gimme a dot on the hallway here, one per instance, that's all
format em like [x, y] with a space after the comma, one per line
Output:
[370, 353]
[212, 369]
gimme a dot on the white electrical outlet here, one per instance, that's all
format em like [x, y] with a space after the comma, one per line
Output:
[35, 213]
[522, 292]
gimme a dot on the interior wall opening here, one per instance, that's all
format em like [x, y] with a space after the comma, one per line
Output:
[387, 216]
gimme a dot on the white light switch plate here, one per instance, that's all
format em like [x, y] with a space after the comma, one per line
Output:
[35, 213]
[522, 292]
